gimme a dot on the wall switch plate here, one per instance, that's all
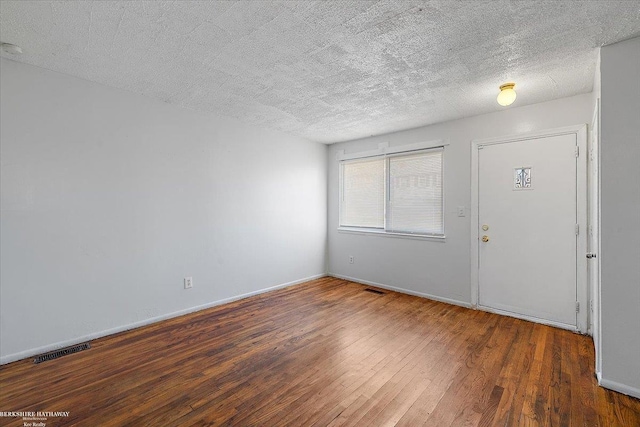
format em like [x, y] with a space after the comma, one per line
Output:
[188, 282]
[461, 211]
[350, 259]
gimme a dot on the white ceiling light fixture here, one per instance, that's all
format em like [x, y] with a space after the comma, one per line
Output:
[507, 94]
[11, 49]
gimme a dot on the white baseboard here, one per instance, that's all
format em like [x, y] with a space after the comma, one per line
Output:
[404, 291]
[56, 346]
[533, 319]
[620, 388]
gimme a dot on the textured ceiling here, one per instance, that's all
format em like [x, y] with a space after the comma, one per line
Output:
[325, 70]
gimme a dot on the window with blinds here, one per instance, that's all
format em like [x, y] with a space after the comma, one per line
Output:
[400, 193]
[362, 199]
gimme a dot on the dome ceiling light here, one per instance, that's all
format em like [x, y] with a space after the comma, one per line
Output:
[507, 94]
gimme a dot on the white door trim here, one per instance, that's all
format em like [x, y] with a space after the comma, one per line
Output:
[595, 224]
[582, 296]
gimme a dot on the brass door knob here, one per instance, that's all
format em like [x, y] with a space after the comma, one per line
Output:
[485, 238]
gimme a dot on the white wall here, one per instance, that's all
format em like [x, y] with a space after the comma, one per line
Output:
[109, 199]
[620, 198]
[431, 268]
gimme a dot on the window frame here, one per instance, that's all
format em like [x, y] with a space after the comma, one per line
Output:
[387, 153]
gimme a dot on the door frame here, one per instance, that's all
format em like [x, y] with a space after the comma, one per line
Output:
[594, 229]
[582, 295]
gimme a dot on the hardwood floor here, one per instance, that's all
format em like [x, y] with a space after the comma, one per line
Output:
[324, 353]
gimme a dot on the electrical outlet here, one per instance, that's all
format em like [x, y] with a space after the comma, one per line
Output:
[461, 211]
[350, 259]
[188, 282]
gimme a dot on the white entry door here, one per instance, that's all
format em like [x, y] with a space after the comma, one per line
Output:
[527, 220]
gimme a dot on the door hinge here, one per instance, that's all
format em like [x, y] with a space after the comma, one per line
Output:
[577, 307]
[577, 151]
[577, 229]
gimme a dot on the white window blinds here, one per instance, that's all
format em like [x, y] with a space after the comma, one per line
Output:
[398, 193]
[415, 193]
[362, 193]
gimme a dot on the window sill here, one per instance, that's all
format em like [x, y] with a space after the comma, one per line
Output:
[374, 232]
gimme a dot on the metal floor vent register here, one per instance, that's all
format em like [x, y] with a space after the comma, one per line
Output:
[374, 291]
[62, 352]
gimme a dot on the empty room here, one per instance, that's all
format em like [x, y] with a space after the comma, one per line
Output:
[320, 213]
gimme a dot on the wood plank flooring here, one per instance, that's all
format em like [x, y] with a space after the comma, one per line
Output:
[324, 353]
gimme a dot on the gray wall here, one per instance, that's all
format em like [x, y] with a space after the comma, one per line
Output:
[431, 268]
[109, 199]
[620, 221]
